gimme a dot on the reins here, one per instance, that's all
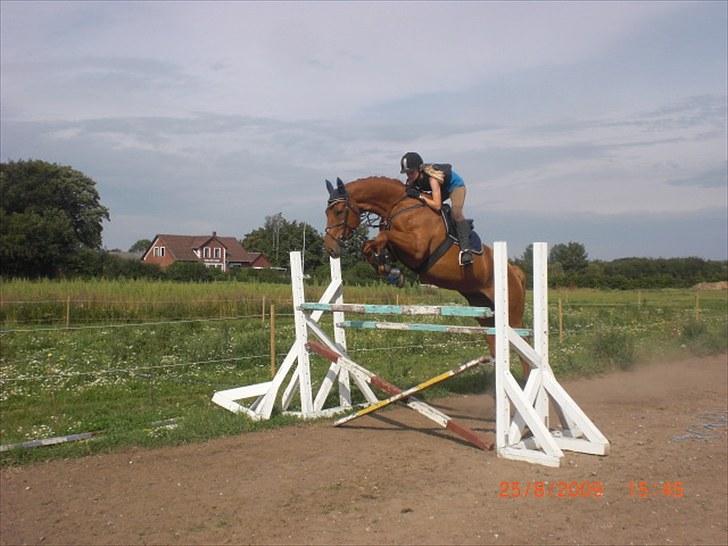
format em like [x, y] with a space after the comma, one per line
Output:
[386, 223]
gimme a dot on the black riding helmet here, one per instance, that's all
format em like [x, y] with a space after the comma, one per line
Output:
[411, 161]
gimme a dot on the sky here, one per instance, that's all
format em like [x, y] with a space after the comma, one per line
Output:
[600, 123]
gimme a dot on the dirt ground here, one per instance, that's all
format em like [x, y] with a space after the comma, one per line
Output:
[394, 479]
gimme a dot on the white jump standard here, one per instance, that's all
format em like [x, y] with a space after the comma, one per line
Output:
[266, 394]
[518, 408]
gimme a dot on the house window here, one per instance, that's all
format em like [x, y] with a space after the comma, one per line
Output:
[207, 252]
[218, 253]
[161, 251]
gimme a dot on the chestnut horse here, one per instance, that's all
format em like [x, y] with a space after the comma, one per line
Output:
[412, 232]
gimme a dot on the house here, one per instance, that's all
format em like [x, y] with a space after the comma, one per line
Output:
[211, 250]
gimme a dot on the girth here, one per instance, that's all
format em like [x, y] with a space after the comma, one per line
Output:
[450, 239]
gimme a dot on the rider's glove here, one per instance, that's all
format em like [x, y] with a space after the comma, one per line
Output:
[413, 192]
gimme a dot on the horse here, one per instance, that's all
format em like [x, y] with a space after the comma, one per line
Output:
[413, 233]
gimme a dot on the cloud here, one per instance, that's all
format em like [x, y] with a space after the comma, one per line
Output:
[701, 233]
[711, 178]
[214, 115]
[301, 60]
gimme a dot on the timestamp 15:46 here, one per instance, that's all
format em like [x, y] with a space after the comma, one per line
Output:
[644, 489]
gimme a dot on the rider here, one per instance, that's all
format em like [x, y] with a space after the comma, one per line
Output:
[443, 183]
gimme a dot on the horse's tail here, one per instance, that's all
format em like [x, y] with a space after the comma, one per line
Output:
[520, 275]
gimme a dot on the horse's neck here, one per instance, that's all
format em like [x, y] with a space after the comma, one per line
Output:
[412, 236]
[377, 195]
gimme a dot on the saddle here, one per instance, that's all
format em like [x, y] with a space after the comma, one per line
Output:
[476, 244]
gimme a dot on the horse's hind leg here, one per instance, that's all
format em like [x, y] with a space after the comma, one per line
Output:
[517, 305]
[481, 300]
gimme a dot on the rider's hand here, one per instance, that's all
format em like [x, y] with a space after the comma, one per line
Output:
[413, 192]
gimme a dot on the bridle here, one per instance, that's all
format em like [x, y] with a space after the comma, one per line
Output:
[348, 231]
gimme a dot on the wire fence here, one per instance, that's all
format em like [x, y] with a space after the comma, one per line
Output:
[265, 356]
[260, 324]
[133, 324]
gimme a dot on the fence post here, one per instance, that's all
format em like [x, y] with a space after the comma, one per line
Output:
[272, 340]
[697, 305]
[561, 322]
[262, 313]
[68, 311]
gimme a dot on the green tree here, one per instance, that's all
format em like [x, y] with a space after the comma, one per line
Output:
[525, 262]
[48, 214]
[140, 246]
[572, 257]
[351, 253]
[354, 268]
[277, 237]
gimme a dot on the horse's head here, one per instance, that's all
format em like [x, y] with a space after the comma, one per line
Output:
[342, 218]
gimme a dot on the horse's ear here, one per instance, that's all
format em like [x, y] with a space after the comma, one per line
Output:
[340, 185]
[330, 187]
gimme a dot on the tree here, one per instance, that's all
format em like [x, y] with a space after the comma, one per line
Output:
[571, 256]
[48, 213]
[525, 262]
[140, 246]
[278, 237]
[354, 269]
[351, 253]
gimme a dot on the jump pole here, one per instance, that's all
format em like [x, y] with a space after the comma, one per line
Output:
[413, 390]
[435, 415]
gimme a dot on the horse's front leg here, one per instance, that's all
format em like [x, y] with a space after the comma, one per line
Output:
[375, 252]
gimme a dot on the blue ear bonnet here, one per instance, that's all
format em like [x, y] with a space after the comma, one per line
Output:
[338, 193]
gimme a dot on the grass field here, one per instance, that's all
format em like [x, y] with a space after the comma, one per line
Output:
[138, 361]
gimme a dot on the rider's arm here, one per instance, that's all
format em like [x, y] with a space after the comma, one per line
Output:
[434, 201]
[437, 177]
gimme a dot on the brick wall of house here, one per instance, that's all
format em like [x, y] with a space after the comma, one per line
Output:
[162, 261]
[212, 259]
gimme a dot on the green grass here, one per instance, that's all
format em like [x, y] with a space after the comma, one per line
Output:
[129, 361]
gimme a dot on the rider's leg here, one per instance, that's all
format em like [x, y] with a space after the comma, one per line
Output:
[457, 201]
[457, 198]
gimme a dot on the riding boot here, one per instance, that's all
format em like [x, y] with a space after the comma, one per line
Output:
[466, 256]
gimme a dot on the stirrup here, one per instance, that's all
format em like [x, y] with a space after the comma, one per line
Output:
[465, 257]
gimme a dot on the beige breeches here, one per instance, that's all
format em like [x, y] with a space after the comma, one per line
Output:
[457, 200]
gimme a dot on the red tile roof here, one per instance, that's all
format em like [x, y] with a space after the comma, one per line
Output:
[182, 247]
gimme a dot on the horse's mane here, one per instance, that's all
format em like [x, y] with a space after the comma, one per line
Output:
[378, 180]
[376, 193]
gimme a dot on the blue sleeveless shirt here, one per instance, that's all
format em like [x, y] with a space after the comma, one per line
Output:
[452, 180]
